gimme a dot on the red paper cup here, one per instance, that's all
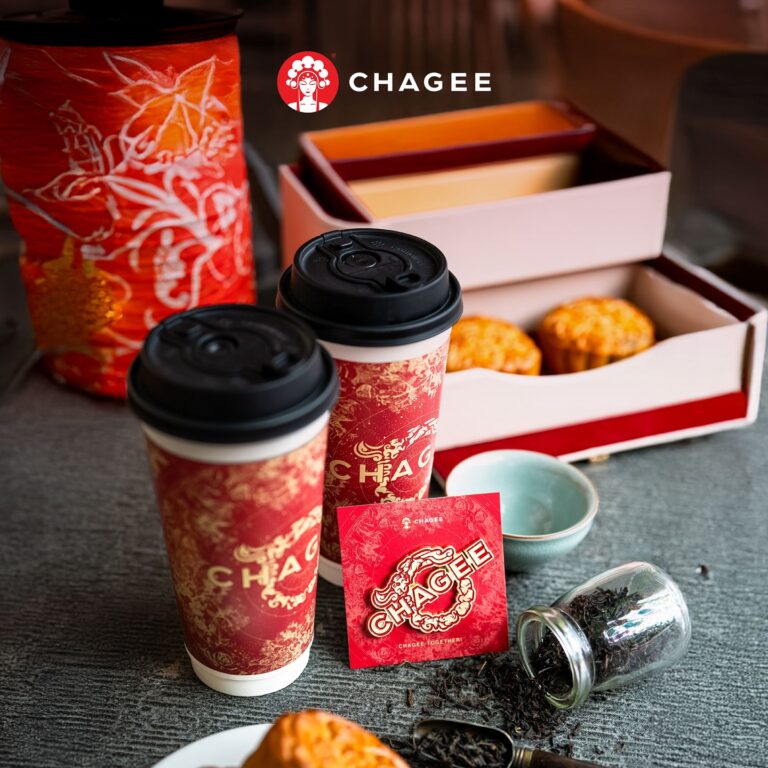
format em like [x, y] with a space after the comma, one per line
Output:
[382, 303]
[382, 432]
[234, 402]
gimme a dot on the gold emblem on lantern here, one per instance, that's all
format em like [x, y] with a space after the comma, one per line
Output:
[70, 301]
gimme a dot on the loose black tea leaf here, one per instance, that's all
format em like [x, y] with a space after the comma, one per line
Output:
[495, 686]
[459, 747]
[497, 690]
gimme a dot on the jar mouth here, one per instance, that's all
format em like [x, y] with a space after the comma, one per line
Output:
[532, 626]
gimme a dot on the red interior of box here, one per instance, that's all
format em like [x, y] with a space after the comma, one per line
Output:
[604, 157]
[428, 133]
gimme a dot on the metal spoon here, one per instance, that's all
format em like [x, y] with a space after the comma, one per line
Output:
[514, 757]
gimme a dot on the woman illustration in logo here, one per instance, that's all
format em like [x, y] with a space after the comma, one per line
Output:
[307, 76]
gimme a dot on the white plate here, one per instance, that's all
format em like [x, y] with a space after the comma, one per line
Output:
[227, 749]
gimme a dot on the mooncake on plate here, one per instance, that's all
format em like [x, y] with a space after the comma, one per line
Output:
[316, 739]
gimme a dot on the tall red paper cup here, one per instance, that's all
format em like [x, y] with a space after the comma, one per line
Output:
[382, 433]
[234, 402]
[382, 303]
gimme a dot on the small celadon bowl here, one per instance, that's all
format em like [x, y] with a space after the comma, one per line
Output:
[547, 506]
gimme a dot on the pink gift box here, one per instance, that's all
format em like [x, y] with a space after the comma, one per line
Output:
[518, 258]
[702, 376]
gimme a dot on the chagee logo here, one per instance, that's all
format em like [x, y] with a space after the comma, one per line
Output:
[307, 81]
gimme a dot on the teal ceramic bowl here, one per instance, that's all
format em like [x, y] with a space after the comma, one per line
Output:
[547, 506]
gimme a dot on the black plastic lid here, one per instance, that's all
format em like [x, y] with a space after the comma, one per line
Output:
[231, 373]
[117, 22]
[371, 288]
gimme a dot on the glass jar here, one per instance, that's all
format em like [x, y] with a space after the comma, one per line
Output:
[615, 628]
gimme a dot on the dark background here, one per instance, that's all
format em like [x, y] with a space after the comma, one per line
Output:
[718, 139]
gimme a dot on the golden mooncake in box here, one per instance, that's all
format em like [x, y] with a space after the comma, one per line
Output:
[316, 739]
[592, 332]
[485, 342]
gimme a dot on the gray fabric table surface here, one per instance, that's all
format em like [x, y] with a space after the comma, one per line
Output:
[92, 668]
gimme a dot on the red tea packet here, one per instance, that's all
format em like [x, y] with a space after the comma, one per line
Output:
[423, 580]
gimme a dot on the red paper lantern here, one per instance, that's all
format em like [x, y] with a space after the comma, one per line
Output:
[124, 171]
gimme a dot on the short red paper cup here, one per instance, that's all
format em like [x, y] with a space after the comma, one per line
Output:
[234, 402]
[242, 529]
[382, 303]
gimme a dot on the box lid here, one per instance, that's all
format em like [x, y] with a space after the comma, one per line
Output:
[615, 214]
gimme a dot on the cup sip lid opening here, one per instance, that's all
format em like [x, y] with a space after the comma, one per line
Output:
[371, 288]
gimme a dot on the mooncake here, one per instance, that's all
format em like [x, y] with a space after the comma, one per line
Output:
[592, 332]
[316, 739]
[485, 342]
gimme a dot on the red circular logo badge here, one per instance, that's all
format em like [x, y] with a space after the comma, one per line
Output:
[307, 81]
